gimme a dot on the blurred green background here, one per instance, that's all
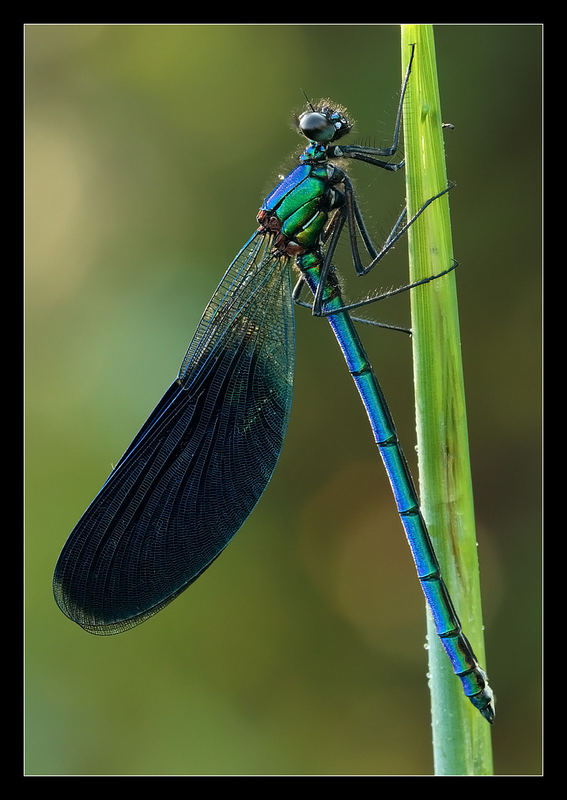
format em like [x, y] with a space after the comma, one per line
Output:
[301, 651]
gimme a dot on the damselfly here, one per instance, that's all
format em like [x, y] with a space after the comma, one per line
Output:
[200, 463]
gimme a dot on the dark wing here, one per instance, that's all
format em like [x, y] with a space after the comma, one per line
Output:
[200, 463]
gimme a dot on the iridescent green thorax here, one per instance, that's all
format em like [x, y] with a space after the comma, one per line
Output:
[298, 208]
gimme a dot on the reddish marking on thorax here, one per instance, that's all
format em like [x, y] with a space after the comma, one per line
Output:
[270, 223]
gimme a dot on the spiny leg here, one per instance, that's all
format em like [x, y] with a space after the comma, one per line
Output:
[330, 239]
[355, 221]
[392, 292]
[351, 213]
[388, 326]
[366, 153]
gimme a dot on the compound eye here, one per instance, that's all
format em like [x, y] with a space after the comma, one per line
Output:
[316, 127]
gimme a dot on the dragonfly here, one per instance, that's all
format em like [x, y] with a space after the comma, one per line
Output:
[202, 460]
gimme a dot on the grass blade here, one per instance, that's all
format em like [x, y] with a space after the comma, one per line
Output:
[461, 737]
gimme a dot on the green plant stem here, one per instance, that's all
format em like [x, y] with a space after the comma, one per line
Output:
[461, 737]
